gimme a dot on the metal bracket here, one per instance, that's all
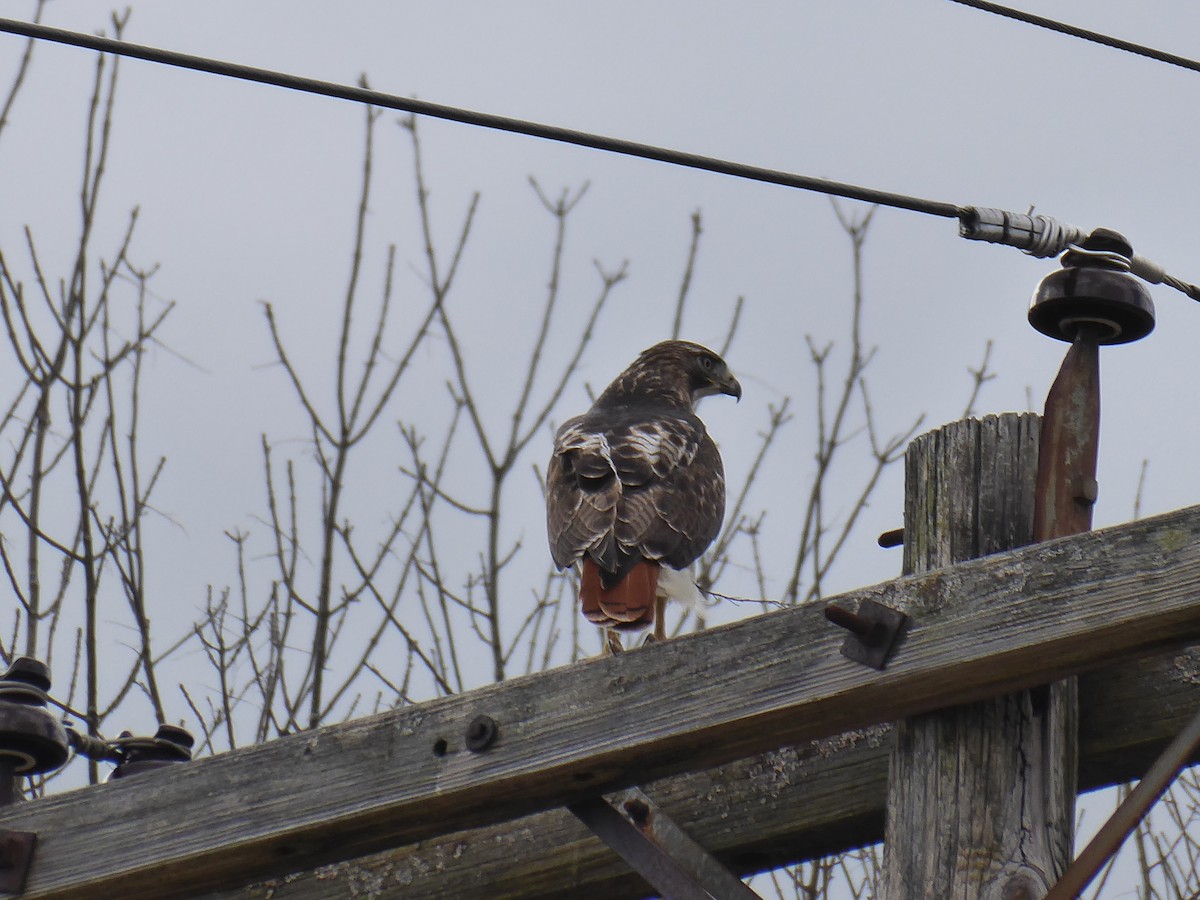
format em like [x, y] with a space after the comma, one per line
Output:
[1069, 447]
[16, 853]
[874, 631]
[658, 849]
[1133, 809]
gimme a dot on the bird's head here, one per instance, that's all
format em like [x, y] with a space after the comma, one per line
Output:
[708, 374]
[693, 370]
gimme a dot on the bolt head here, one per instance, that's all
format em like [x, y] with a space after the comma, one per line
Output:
[481, 734]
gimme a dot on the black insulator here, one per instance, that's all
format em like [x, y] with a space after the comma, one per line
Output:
[30, 671]
[1094, 294]
[32, 739]
[170, 745]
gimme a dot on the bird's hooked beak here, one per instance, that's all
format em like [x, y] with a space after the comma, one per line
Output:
[714, 378]
[729, 385]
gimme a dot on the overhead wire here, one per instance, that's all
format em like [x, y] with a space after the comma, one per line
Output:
[471, 117]
[1037, 235]
[1082, 33]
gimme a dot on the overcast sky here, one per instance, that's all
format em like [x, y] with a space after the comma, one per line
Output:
[247, 194]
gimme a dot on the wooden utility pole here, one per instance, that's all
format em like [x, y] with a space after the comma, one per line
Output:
[981, 797]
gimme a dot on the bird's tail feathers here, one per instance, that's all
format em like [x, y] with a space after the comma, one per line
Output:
[629, 604]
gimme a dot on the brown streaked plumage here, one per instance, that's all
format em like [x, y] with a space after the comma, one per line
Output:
[635, 489]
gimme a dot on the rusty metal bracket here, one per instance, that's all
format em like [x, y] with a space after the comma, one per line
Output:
[874, 631]
[658, 849]
[1091, 301]
[1108, 840]
[16, 853]
[1070, 443]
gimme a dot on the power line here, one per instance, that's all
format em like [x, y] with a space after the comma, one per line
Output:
[471, 117]
[1083, 33]
[1040, 236]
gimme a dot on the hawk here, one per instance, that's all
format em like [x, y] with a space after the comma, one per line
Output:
[635, 489]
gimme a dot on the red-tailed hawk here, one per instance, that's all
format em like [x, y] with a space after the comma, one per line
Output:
[635, 487]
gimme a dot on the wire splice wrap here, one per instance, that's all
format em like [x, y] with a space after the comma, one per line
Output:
[1044, 237]
[1040, 236]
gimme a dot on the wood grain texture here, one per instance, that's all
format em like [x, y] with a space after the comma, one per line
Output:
[769, 810]
[981, 798]
[979, 629]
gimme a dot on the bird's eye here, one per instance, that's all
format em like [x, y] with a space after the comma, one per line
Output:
[707, 363]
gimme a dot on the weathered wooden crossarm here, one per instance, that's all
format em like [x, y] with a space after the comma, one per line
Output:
[764, 811]
[985, 627]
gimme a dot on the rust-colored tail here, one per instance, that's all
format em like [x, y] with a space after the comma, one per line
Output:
[628, 604]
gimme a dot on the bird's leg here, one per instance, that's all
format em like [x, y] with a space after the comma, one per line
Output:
[612, 642]
[658, 634]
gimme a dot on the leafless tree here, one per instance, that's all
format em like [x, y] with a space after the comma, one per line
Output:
[372, 596]
[74, 490]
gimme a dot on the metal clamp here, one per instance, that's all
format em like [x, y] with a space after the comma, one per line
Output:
[874, 631]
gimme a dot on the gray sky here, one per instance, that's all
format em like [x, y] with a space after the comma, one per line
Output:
[247, 194]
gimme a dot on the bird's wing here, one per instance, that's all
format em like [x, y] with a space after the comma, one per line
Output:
[677, 512]
[582, 491]
[648, 487]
